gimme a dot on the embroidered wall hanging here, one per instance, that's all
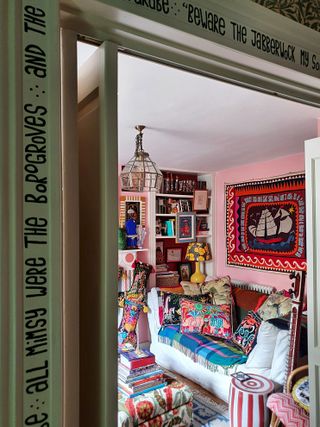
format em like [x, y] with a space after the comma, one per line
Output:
[265, 223]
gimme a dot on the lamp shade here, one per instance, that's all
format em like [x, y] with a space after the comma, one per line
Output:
[198, 252]
[140, 173]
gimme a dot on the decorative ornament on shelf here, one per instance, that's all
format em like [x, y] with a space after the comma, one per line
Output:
[198, 252]
[140, 173]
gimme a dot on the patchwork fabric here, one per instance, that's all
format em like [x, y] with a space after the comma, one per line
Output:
[138, 289]
[171, 306]
[215, 355]
[172, 403]
[220, 290]
[127, 337]
[246, 333]
[206, 319]
[290, 414]
[133, 301]
[276, 305]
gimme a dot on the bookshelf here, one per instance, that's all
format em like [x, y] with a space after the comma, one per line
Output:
[166, 206]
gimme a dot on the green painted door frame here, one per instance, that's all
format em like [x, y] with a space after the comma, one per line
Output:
[30, 292]
[31, 303]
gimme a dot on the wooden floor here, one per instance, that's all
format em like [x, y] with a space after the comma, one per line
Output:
[197, 387]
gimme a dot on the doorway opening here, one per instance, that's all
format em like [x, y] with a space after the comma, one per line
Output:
[195, 126]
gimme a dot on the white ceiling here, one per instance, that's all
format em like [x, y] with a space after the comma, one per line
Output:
[196, 123]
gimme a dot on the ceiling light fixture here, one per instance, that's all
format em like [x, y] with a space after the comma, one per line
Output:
[140, 173]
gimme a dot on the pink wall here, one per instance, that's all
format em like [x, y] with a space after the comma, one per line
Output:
[280, 166]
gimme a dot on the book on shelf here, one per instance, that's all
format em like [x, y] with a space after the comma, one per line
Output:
[167, 273]
[138, 393]
[129, 375]
[143, 378]
[140, 385]
[161, 268]
[137, 358]
[170, 227]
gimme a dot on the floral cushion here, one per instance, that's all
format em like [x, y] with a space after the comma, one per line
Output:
[220, 290]
[246, 333]
[205, 319]
[157, 403]
[276, 305]
[171, 306]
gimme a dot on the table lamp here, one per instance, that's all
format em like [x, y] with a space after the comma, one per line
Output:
[198, 252]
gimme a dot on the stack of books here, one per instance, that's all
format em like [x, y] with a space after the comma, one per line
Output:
[138, 373]
[161, 268]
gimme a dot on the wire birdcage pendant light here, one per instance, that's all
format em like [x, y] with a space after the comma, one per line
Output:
[140, 173]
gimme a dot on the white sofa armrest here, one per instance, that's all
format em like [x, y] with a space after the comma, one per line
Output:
[153, 313]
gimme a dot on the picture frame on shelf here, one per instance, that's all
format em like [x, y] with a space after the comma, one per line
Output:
[185, 271]
[134, 206]
[200, 200]
[185, 205]
[202, 225]
[158, 227]
[174, 254]
[159, 253]
[186, 227]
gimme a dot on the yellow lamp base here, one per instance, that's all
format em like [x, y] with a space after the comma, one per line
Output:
[197, 276]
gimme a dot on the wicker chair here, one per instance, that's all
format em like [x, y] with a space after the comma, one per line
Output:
[285, 411]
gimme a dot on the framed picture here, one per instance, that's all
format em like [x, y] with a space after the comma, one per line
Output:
[200, 200]
[185, 205]
[159, 253]
[132, 207]
[185, 271]
[186, 227]
[174, 254]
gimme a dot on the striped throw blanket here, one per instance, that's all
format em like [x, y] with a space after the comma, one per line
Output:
[212, 353]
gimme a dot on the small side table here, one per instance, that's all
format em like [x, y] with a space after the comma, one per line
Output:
[247, 401]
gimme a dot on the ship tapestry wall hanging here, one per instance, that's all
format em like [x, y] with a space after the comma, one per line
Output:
[266, 224]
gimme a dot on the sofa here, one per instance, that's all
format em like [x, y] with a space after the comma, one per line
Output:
[268, 356]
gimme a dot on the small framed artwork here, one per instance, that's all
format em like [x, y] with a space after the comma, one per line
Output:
[159, 253]
[186, 227]
[185, 271]
[185, 205]
[200, 200]
[174, 254]
[132, 207]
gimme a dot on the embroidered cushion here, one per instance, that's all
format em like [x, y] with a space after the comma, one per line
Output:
[246, 333]
[276, 305]
[220, 290]
[190, 288]
[171, 306]
[206, 319]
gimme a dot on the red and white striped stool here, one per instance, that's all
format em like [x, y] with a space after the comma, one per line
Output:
[247, 401]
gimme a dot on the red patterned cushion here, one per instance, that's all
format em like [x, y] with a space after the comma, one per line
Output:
[288, 412]
[206, 319]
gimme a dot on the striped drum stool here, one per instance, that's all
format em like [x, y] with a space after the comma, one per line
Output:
[247, 401]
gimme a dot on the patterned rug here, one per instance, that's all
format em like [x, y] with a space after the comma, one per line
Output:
[208, 413]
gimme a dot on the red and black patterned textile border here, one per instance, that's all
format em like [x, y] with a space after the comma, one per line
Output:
[265, 224]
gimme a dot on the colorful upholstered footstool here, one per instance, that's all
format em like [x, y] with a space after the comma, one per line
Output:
[171, 405]
[247, 401]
